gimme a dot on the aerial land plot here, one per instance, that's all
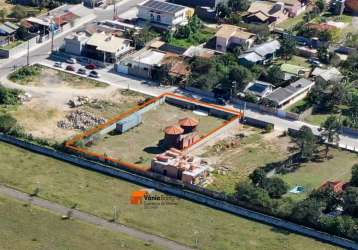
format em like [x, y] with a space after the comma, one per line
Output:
[140, 144]
[186, 222]
[235, 158]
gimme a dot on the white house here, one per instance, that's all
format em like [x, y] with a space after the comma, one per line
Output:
[163, 14]
[231, 36]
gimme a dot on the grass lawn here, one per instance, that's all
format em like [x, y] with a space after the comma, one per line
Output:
[253, 152]
[299, 106]
[12, 45]
[201, 37]
[317, 119]
[311, 175]
[42, 76]
[24, 227]
[97, 194]
[291, 22]
[140, 144]
[295, 60]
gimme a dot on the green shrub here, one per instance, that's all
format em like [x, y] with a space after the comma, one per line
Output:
[25, 74]
[9, 96]
[7, 123]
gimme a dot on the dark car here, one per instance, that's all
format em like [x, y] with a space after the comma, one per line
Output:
[91, 66]
[94, 74]
[70, 68]
[81, 71]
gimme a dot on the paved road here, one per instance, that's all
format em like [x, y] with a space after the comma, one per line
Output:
[59, 209]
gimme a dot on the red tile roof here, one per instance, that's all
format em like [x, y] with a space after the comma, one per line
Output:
[174, 130]
[337, 186]
[188, 122]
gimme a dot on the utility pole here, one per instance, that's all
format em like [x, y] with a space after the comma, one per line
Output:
[52, 34]
[28, 53]
[114, 10]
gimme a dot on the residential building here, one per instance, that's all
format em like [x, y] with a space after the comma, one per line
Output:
[259, 88]
[260, 54]
[177, 165]
[337, 7]
[336, 186]
[164, 15]
[265, 12]
[290, 94]
[145, 63]
[7, 32]
[230, 36]
[290, 71]
[75, 43]
[106, 47]
[293, 7]
[327, 76]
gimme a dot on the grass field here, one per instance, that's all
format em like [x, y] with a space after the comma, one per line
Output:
[47, 77]
[291, 22]
[198, 38]
[97, 194]
[140, 144]
[24, 227]
[254, 151]
[311, 175]
[295, 60]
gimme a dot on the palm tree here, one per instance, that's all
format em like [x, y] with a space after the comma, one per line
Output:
[330, 131]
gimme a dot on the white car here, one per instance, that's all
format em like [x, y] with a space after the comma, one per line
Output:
[71, 60]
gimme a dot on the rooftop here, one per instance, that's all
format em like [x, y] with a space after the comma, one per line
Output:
[258, 88]
[227, 31]
[188, 122]
[163, 6]
[282, 95]
[107, 43]
[328, 74]
[174, 130]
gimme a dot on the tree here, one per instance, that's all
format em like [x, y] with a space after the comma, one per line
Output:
[254, 195]
[275, 187]
[288, 47]
[222, 10]
[354, 179]
[307, 142]
[350, 201]
[258, 176]
[3, 15]
[7, 123]
[308, 211]
[327, 195]
[321, 5]
[323, 54]
[330, 131]
[273, 75]
[239, 5]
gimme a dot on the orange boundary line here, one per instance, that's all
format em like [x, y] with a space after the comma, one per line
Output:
[70, 143]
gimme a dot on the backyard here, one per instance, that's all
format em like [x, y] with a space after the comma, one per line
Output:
[140, 144]
[31, 227]
[185, 222]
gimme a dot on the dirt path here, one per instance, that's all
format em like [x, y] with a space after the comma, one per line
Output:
[59, 209]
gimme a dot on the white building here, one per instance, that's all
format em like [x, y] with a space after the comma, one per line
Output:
[162, 14]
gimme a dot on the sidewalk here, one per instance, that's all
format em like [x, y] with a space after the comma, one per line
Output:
[89, 218]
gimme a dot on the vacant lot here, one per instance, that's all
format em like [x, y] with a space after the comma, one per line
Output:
[42, 76]
[140, 144]
[24, 227]
[97, 194]
[234, 164]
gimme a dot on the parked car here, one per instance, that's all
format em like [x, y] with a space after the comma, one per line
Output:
[94, 74]
[315, 62]
[58, 64]
[81, 71]
[91, 66]
[71, 60]
[70, 68]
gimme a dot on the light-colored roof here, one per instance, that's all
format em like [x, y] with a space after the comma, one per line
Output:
[6, 28]
[252, 57]
[287, 2]
[107, 43]
[38, 21]
[266, 48]
[328, 74]
[263, 6]
[227, 31]
[260, 15]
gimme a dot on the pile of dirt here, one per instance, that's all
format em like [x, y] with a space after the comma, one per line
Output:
[80, 120]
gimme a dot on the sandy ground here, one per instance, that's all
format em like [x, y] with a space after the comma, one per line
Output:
[48, 105]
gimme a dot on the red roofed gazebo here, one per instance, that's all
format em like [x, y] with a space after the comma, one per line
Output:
[172, 135]
[189, 124]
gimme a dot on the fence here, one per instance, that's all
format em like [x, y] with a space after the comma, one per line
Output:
[196, 194]
[269, 110]
[8, 53]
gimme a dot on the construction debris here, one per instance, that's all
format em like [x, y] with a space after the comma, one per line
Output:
[80, 120]
[78, 101]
